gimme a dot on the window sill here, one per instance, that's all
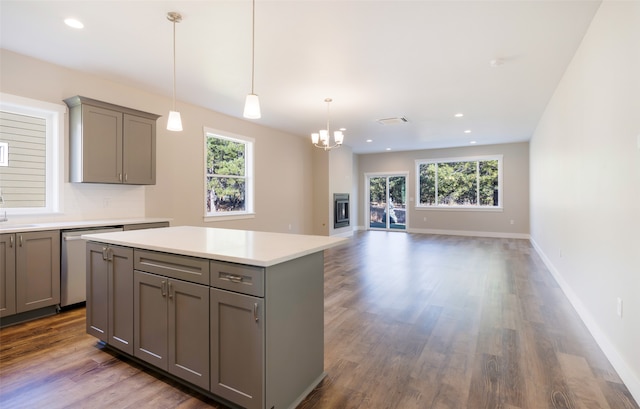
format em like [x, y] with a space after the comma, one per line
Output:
[461, 208]
[227, 217]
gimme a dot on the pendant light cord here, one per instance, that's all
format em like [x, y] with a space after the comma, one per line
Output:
[174, 64]
[253, 42]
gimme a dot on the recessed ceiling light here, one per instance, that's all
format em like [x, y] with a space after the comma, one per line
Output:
[459, 115]
[343, 129]
[369, 140]
[467, 131]
[472, 142]
[73, 23]
[388, 149]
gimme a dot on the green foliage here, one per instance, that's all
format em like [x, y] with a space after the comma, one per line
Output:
[467, 183]
[378, 189]
[225, 159]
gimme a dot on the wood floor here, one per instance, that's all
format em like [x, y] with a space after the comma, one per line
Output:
[411, 321]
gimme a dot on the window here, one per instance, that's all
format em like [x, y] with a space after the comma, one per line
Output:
[228, 175]
[460, 182]
[30, 155]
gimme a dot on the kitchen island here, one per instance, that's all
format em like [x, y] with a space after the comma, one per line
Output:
[236, 315]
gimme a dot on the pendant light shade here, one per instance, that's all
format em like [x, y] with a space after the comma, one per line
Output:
[174, 122]
[251, 103]
[252, 107]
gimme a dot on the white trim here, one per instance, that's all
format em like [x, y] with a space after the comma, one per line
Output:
[249, 176]
[631, 381]
[461, 208]
[367, 204]
[498, 157]
[348, 233]
[470, 233]
[55, 135]
[227, 217]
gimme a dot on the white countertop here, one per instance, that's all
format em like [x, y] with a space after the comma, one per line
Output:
[256, 248]
[8, 227]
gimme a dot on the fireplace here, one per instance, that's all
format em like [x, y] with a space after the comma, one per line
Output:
[340, 210]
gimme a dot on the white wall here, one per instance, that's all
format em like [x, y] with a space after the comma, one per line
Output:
[34, 79]
[341, 181]
[585, 184]
[283, 162]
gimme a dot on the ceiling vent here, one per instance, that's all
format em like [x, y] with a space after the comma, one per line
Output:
[392, 121]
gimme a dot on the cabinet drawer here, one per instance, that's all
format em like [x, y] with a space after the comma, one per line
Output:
[238, 278]
[185, 268]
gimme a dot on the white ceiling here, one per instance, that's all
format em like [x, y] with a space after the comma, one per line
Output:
[423, 60]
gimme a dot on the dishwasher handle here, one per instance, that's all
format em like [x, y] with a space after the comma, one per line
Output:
[72, 238]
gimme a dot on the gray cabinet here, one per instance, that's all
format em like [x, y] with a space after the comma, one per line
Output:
[140, 226]
[110, 143]
[110, 295]
[237, 348]
[29, 271]
[171, 315]
[7, 275]
[37, 270]
[250, 335]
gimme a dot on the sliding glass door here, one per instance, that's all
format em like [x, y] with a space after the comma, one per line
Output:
[387, 201]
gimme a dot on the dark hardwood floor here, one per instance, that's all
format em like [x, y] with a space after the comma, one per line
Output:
[411, 321]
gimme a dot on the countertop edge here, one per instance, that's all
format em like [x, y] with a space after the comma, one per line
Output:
[220, 256]
[81, 224]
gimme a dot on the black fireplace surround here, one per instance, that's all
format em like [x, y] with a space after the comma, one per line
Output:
[340, 210]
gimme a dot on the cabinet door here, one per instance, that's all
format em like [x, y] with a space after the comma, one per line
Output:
[121, 298]
[101, 145]
[237, 348]
[150, 319]
[97, 291]
[37, 270]
[7, 275]
[189, 331]
[139, 150]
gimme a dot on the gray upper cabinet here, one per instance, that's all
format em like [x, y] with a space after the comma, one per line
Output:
[110, 143]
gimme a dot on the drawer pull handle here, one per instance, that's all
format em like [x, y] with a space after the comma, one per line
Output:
[163, 288]
[255, 311]
[233, 277]
[11, 241]
[170, 295]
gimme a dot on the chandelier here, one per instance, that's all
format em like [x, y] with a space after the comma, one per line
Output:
[321, 139]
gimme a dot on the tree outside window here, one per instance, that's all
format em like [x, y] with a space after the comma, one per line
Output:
[228, 175]
[459, 182]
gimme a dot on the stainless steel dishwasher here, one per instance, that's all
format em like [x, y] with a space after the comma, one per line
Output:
[73, 275]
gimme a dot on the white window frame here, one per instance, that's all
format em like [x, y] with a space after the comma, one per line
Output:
[54, 117]
[249, 142]
[477, 207]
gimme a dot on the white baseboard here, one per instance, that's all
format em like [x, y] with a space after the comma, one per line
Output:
[346, 233]
[502, 235]
[617, 361]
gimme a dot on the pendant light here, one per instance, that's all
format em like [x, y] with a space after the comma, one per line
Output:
[174, 122]
[252, 104]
